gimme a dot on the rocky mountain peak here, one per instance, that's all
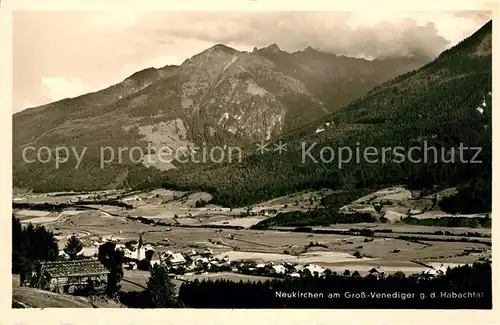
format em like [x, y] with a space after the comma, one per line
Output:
[273, 48]
[222, 48]
[310, 50]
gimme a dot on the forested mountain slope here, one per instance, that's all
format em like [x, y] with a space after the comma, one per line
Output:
[220, 96]
[445, 104]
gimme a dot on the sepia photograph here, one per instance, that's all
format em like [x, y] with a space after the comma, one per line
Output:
[266, 159]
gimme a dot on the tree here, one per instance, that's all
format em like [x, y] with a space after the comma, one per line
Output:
[399, 275]
[144, 265]
[200, 203]
[112, 259]
[73, 247]
[132, 245]
[160, 289]
[31, 244]
[18, 252]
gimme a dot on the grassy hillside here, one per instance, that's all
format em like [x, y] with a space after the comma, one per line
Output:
[27, 297]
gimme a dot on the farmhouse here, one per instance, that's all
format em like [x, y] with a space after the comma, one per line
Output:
[175, 258]
[207, 252]
[374, 273]
[314, 269]
[278, 269]
[71, 276]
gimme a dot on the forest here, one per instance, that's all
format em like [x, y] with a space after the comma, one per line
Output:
[434, 106]
[318, 217]
[31, 244]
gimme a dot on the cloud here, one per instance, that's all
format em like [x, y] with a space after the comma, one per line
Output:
[475, 15]
[57, 88]
[349, 33]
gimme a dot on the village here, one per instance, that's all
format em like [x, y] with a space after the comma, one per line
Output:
[192, 241]
[76, 276]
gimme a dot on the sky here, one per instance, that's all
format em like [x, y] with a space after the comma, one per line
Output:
[61, 54]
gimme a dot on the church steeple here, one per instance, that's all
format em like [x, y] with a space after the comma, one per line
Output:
[140, 241]
[139, 247]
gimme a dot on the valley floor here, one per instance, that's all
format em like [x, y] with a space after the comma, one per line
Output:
[388, 252]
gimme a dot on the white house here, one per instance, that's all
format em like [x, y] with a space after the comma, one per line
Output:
[175, 258]
[314, 268]
[298, 268]
[208, 252]
[278, 269]
[431, 272]
[201, 261]
[154, 262]
[192, 253]
[128, 253]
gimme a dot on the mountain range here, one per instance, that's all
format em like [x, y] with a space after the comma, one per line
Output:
[225, 96]
[219, 96]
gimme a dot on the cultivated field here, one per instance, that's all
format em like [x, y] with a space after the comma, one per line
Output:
[137, 280]
[188, 222]
[172, 207]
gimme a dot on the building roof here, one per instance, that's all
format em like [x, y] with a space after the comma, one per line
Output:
[176, 258]
[431, 272]
[202, 260]
[85, 267]
[314, 268]
[279, 268]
